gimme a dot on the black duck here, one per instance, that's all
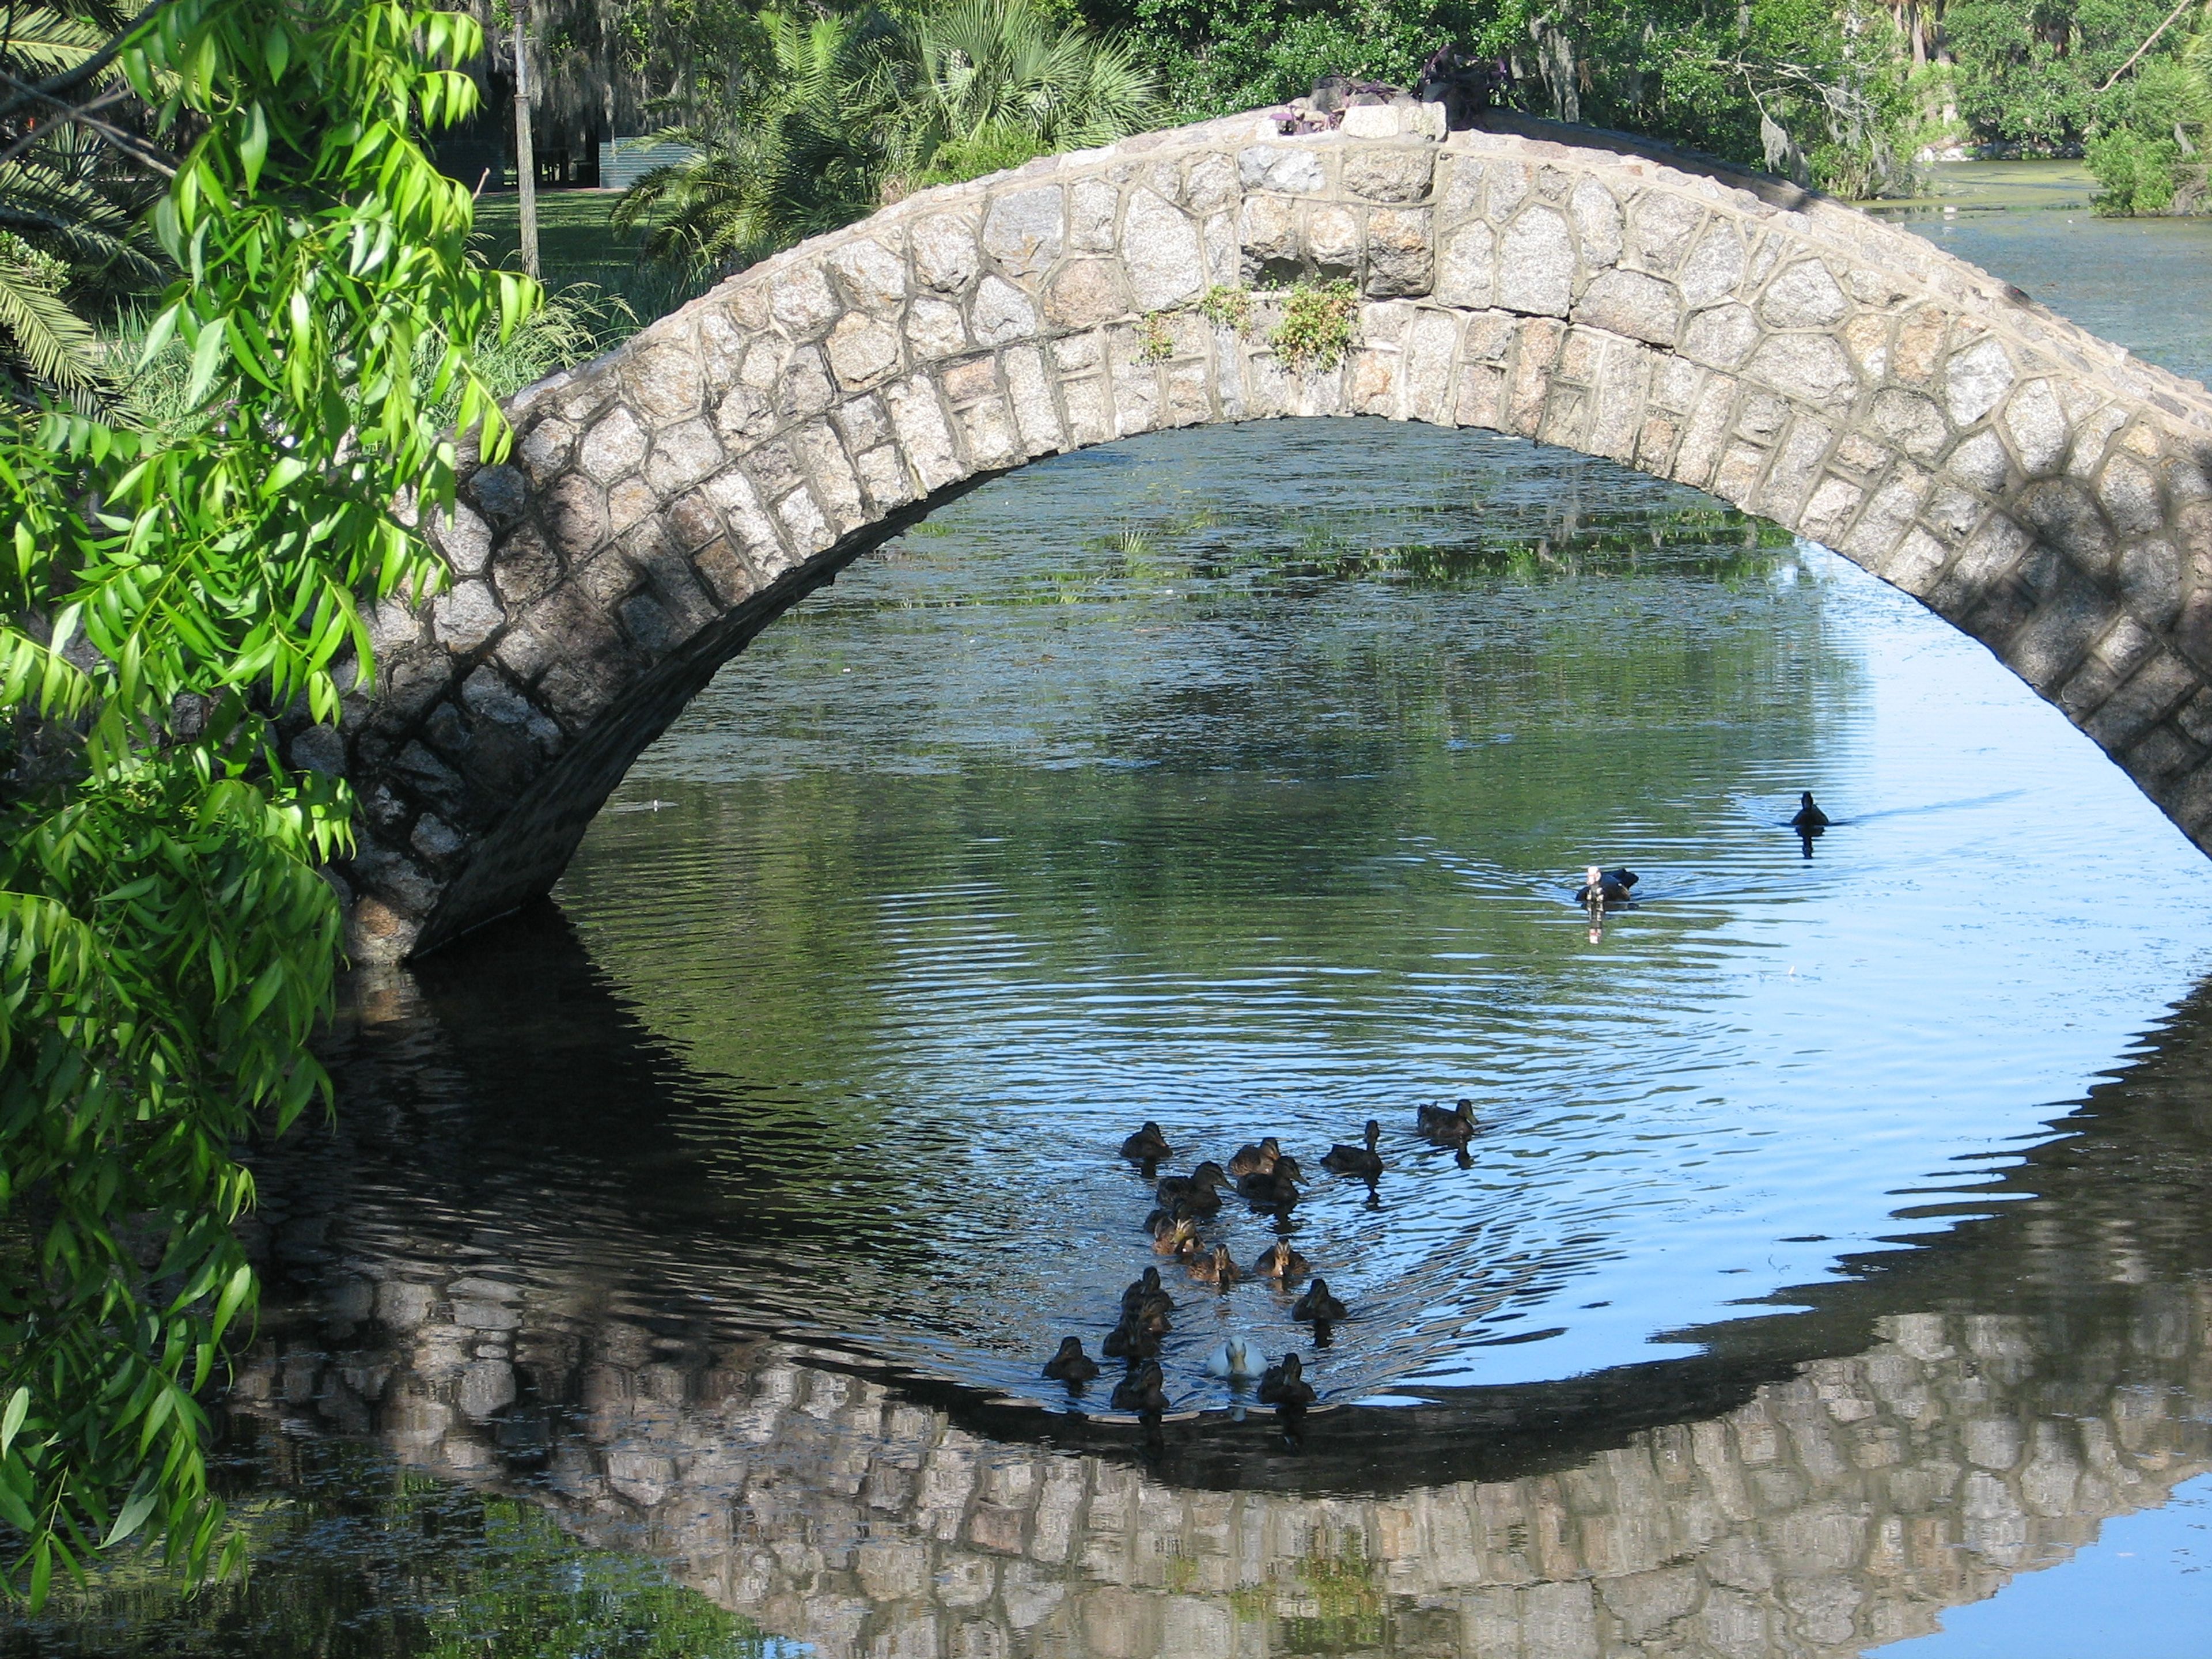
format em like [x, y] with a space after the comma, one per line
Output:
[1284, 1386]
[1281, 1263]
[1448, 1128]
[1071, 1364]
[1357, 1160]
[1810, 819]
[1317, 1306]
[1143, 1391]
[1247, 1159]
[1147, 1145]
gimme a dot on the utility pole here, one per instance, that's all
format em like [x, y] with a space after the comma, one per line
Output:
[525, 158]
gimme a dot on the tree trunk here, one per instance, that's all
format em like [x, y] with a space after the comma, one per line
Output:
[525, 158]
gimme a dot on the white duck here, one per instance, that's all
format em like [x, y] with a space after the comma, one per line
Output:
[1236, 1360]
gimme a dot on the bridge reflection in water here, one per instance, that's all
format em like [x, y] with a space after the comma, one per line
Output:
[1832, 1476]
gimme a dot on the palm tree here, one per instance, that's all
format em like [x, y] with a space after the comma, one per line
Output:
[68, 212]
[847, 112]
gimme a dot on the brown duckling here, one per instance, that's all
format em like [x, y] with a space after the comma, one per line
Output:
[1219, 1269]
[1143, 1391]
[1357, 1160]
[1249, 1159]
[1317, 1306]
[1284, 1386]
[1147, 1145]
[1281, 1263]
[1455, 1127]
[1071, 1364]
[1175, 1236]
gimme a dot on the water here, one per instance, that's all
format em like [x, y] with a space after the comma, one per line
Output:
[677, 1274]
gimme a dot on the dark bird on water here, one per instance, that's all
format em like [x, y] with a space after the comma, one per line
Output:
[1317, 1306]
[1810, 819]
[1193, 1194]
[1147, 1145]
[1284, 1386]
[1606, 888]
[1217, 1269]
[1143, 1391]
[1452, 1126]
[1271, 1189]
[1357, 1160]
[1137, 1337]
[1247, 1159]
[1147, 1293]
[1281, 1263]
[1071, 1364]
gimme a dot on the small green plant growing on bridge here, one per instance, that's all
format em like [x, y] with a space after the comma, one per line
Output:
[1316, 327]
[1229, 307]
[1153, 343]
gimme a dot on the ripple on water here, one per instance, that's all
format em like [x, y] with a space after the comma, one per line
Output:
[1237, 779]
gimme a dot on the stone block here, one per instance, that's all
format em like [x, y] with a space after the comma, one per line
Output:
[864, 351]
[1598, 222]
[1467, 273]
[1333, 240]
[872, 276]
[1293, 170]
[1715, 267]
[1803, 296]
[943, 248]
[1630, 303]
[1975, 379]
[1910, 421]
[1399, 257]
[1722, 337]
[1662, 228]
[1392, 174]
[1161, 253]
[1810, 368]
[1536, 264]
[1023, 230]
[613, 448]
[1085, 292]
[800, 301]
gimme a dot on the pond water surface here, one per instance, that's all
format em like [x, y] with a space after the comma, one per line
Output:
[1833, 1249]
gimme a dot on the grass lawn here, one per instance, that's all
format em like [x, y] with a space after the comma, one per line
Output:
[576, 244]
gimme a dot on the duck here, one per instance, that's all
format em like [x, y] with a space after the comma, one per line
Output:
[1147, 1145]
[1236, 1360]
[1219, 1269]
[1357, 1160]
[1143, 1391]
[1137, 1337]
[1271, 1189]
[1810, 819]
[1606, 888]
[1281, 1263]
[1146, 1289]
[1071, 1364]
[1175, 1236]
[1284, 1386]
[1250, 1159]
[1454, 1128]
[1193, 1194]
[1318, 1307]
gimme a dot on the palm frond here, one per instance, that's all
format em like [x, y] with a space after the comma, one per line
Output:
[54, 345]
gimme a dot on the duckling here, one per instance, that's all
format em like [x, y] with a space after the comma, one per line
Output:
[1810, 819]
[1234, 1360]
[1143, 1391]
[1137, 1337]
[1248, 1159]
[1317, 1306]
[1175, 1236]
[1284, 1386]
[1281, 1263]
[1606, 888]
[1357, 1160]
[1146, 1289]
[1447, 1128]
[1271, 1189]
[1219, 1269]
[1147, 1145]
[1071, 1364]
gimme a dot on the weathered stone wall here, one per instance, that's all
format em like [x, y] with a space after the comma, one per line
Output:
[1846, 1508]
[1845, 378]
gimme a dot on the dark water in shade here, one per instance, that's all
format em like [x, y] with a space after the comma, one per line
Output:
[1835, 1216]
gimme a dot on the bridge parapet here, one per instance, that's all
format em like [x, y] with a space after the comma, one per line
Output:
[2034, 486]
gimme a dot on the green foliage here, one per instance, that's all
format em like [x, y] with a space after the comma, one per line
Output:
[2029, 70]
[170, 592]
[847, 110]
[1229, 307]
[1316, 326]
[2136, 172]
[1154, 344]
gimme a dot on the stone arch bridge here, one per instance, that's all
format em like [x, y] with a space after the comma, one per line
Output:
[2031, 484]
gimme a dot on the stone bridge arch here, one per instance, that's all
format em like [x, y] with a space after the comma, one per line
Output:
[2031, 484]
